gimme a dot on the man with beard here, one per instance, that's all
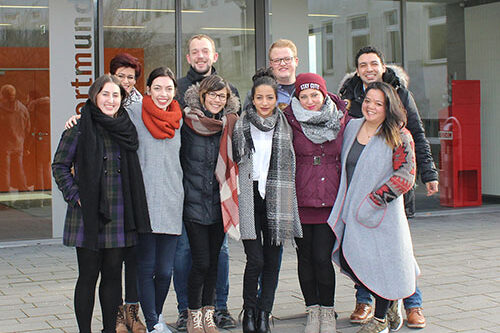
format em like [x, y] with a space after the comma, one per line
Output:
[201, 56]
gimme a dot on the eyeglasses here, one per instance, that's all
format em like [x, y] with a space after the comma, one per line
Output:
[212, 95]
[286, 60]
[123, 77]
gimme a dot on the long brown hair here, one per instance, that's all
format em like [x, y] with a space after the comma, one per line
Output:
[395, 114]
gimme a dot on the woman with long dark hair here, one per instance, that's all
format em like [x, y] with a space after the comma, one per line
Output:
[373, 243]
[158, 119]
[97, 169]
[268, 212]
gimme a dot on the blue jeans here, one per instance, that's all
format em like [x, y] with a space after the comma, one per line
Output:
[182, 267]
[414, 301]
[155, 262]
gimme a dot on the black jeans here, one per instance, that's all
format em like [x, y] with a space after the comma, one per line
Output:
[263, 259]
[381, 304]
[205, 242]
[315, 267]
[131, 275]
[107, 262]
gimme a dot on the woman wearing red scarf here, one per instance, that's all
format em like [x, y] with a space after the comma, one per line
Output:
[158, 121]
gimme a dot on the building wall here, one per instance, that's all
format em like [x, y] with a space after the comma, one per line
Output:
[482, 40]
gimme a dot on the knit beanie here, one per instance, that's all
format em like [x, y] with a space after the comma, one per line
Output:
[310, 81]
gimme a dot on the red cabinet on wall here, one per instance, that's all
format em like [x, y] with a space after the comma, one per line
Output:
[460, 135]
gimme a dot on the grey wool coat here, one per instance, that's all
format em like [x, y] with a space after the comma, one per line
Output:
[375, 240]
[162, 173]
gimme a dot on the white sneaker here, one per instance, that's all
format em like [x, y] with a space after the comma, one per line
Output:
[164, 324]
[158, 328]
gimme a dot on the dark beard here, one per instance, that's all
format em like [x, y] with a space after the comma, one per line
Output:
[203, 73]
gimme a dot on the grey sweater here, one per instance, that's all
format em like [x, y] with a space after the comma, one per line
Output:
[162, 173]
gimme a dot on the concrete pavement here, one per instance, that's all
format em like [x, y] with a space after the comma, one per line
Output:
[457, 250]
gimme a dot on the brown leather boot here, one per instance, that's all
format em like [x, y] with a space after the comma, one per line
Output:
[415, 318]
[121, 324]
[361, 314]
[134, 323]
[208, 319]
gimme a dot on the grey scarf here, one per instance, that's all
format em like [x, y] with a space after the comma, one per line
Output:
[281, 199]
[318, 126]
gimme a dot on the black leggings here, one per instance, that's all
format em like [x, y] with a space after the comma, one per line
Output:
[205, 242]
[263, 261]
[381, 304]
[315, 267]
[108, 262]
[131, 275]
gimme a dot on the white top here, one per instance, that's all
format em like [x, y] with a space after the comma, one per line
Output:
[263, 143]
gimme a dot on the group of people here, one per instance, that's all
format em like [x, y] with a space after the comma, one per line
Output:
[159, 181]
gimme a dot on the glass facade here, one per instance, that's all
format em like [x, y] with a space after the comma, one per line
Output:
[231, 25]
[448, 49]
[144, 29]
[25, 177]
[446, 75]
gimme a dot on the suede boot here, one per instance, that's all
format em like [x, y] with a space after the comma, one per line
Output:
[195, 321]
[208, 319]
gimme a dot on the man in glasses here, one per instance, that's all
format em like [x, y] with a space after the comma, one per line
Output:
[284, 61]
[201, 57]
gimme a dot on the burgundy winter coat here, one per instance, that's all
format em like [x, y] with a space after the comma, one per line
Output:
[318, 169]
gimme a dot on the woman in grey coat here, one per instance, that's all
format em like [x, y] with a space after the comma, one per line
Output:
[158, 119]
[373, 244]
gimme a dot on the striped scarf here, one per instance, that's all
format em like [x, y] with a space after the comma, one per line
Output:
[281, 199]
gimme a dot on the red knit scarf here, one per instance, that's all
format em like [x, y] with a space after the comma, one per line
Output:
[161, 123]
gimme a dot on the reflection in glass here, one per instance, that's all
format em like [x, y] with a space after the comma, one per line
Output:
[144, 29]
[230, 25]
[25, 176]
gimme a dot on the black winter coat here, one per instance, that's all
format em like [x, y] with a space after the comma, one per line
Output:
[201, 189]
[199, 156]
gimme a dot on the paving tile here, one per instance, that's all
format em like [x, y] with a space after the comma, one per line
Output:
[460, 281]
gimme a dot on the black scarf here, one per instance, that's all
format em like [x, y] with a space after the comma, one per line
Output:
[195, 77]
[92, 189]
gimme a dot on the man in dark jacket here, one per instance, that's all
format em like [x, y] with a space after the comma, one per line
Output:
[370, 67]
[201, 57]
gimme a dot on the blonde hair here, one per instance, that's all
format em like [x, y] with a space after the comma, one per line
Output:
[201, 36]
[283, 43]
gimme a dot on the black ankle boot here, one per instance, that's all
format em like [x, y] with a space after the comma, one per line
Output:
[248, 322]
[262, 323]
